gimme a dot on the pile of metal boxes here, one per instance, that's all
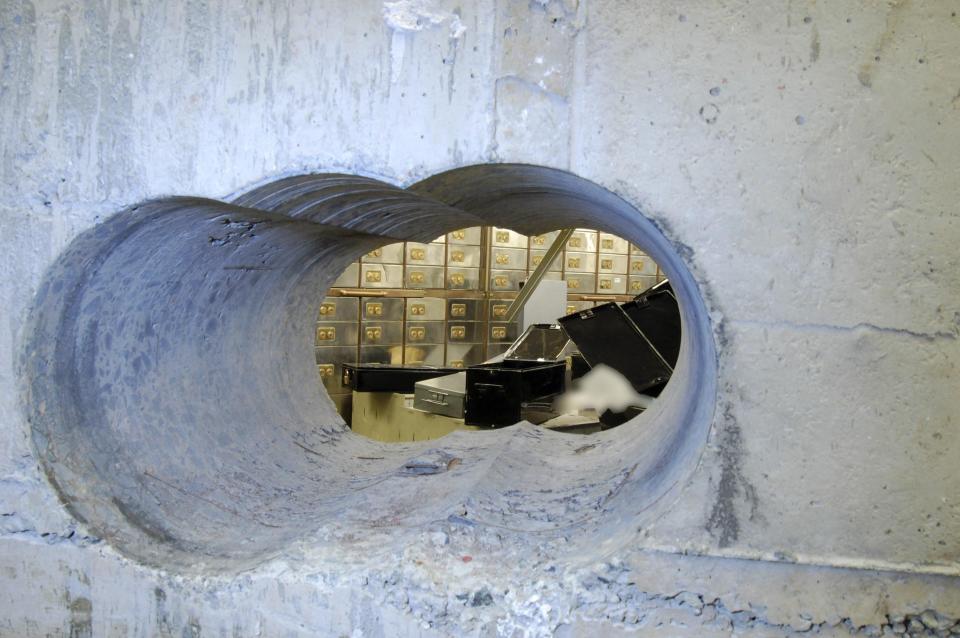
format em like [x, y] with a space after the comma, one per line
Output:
[533, 370]
[443, 303]
[639, 339]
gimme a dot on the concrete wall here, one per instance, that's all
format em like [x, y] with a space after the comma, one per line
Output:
[805, 158]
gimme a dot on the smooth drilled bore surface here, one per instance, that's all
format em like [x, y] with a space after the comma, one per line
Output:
[175, 406]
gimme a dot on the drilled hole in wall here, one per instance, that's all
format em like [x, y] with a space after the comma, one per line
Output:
[170, 382]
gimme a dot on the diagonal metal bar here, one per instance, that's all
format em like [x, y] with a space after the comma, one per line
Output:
[537, 275]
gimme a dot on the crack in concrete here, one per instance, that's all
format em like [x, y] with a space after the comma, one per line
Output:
[862, 326]
[615, 598]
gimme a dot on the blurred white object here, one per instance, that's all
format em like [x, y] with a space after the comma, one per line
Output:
[602, 389]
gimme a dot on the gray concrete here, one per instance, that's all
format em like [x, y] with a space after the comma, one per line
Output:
[801, 158]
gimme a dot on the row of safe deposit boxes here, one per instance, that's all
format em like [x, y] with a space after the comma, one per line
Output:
[443, 303]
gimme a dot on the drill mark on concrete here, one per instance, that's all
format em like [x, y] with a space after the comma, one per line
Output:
[220, 507]
[81, 618]
[162, 618]
[709, 113]
[307, 449]
[532, 87]
[724, 522]
[248, 268]
[619, 486]
[192, 629]
[441, 462]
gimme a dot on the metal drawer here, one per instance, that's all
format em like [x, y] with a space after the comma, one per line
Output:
[425, 309]
[640, 283]
[583, 241]
[536, 256]
[442, 395]
[612, 264]
[464, 332]
[502, 332]
[465, 236]
[543, 241]
[376, 377]
[612, 284]
[496, 392]
[463, 278]
[642, 265]
[498, 309]
[613, 244]
[580, 284]
[465, 309]
[330, 367]
[381, 333]
[580, 262]
[382, 309]
[508, 258]
[338, 309]
[335, 334]
[424, 332]
[463, 256]
[425, 254]
[381, 276]
[389, 254]
[506, 280]
[421, 277]
[507, 238]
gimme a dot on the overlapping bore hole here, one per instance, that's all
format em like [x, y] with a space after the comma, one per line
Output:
[169, 375]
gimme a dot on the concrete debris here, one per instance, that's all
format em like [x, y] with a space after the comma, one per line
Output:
[417, 15]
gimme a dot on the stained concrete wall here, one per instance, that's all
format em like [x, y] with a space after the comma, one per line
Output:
[803, 156]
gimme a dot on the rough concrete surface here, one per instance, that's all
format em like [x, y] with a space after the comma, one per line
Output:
[802, 157]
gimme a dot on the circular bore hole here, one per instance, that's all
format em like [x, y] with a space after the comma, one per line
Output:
[169, 383]
[410, 340]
